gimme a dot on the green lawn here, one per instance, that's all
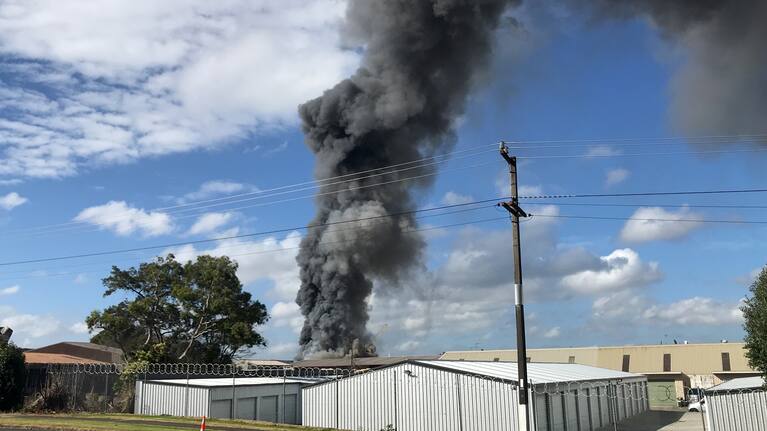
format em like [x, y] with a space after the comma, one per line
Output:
[101, 422]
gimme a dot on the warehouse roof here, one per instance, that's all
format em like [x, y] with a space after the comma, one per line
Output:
[536, 372]
[739, 384]
[370, 362]
[227, 381]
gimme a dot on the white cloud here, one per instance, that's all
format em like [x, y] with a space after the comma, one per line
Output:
[616, 176]
[10, 182]
[657, 224]
[552, 333]
[215, 188]
[124, 220]
[28, 325]
[80, 278]
[210, 222]
[622, 269]
[282, 350]
[525, 190]
[601, 151]
[12, 290]
[453, 198]
[79, 328]
[287, 314]
[630, 309]
[134, 79]
[12, 200]
[695, 311]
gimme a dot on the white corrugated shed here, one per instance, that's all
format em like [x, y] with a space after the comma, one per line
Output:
[268, 399]
[473, 396]
[737, 404]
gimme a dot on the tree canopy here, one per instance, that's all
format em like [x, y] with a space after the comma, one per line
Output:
[12, 376]
[192, 312]
[755, 324]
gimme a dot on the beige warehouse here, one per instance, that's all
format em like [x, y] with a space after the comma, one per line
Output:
[670, 368]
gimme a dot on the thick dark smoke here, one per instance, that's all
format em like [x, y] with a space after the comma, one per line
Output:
[420, 61]
[722, 86]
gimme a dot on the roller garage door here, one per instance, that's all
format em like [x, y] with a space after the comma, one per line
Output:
[662, 394]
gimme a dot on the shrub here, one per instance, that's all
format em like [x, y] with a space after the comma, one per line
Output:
[12, 377]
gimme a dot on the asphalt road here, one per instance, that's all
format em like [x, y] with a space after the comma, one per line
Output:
[658, 420]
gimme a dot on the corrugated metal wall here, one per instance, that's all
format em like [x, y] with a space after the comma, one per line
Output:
[415, 398]
[411, 398]
[737, 411]
[172, 400]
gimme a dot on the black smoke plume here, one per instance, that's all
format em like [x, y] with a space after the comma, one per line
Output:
[420, 60]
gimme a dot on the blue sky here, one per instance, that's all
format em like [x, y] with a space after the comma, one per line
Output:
[108, 116]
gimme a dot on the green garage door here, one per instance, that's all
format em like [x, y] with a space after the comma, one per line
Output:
[662, 394]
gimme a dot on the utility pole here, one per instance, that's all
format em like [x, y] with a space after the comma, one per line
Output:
[516, 212]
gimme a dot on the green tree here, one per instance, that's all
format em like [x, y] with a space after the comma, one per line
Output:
[197, 312]
[755, 316]
[12, 377]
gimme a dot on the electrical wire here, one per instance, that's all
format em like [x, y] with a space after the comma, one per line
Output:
[248, 235]
[657, 205]
[585, 217]
[635, 194]
[282, 249]
[72, 225]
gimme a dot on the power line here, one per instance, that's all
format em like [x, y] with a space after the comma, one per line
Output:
[590, 141]
[269, 232]
[568, 216]
[613, 195]
[76, 225]
[232, 247]
[281, 249]
[670, 153]
[597, 204]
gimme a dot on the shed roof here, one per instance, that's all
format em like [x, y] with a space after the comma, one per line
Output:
[536, 372]
[32, 357]
[227, 381]
[739, 384]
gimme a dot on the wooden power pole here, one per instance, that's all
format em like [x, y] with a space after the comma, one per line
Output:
[516, 212]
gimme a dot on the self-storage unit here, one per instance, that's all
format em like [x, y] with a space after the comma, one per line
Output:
[738, 404]
[473, 396]
[258, 398]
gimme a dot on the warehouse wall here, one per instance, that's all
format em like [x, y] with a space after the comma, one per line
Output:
[693, 359]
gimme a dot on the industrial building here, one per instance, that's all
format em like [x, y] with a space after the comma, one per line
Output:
[439, 395]
[739, 404]
[670, 368]
[255, 398]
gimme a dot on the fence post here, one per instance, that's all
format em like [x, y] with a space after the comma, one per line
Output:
[106, 392]
[186, 393]
[143, 384]
[234, 394]
[284, 382]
